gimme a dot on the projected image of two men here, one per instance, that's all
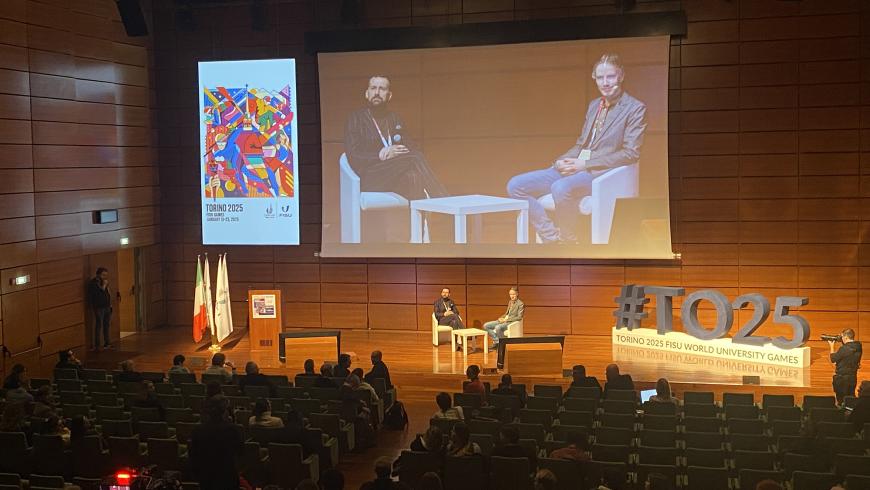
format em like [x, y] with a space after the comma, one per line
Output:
[469, 151]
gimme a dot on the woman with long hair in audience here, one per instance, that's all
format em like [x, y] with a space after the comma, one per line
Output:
[460, 441]
[663, 393]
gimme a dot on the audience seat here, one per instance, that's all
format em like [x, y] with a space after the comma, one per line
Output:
[581, 404]
[465, 473]
[707, 478]
[700, 397]
[710, 458]
[806, 480]
[738, 399]
[16, 453]
[569, 475]
[754, 460]
[49, 457]
[657, 455]
[415, 464]
[287, 466]
[550, 391]
[510, 473]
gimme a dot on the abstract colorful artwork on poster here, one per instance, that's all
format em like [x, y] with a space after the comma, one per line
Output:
[249, 152]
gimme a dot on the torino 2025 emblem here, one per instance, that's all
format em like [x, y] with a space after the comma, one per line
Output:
[632, 299]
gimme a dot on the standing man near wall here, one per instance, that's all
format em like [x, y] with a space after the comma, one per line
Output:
[100, 301]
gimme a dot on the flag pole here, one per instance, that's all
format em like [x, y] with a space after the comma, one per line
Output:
[215, 347]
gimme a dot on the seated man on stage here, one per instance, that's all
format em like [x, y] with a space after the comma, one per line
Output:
[514, 313]
[611, 137]
[380, 151]
[447, 313]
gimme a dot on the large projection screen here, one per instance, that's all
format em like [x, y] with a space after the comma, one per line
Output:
[249, 152]
[544, 150]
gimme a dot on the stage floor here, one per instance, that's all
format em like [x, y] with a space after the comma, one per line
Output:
[411, 354]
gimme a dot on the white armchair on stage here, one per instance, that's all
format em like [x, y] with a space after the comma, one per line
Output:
[621, 182]
[354, 202]
[514, 330]
[439, 332]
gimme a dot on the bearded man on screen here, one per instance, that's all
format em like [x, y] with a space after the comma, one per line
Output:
[611, 137]
[381, 153]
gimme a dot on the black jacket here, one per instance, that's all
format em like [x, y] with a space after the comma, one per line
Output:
[258, 379]
[379, 370]
[97, 296]
[440, 307]
[847, 358]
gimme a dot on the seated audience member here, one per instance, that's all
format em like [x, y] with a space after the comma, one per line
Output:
[657, 481]
[379, 370]
[580, 380]
[53, 426]
[263, 415]
[508, 446]
[364, 385]
[383, 479]
[178, 365]
[308, 366]
[768, 485]
[431, 441]
[17, 390]
[253, 377]
[16, 374]
[332, 479]
[325, 378]
[147, 398]
[128, 372]
[576, 450]
[545, 480]
[355, 410]
[430, 481]
[460, 441]
[14, 418]
[219, 365]
[663, 393]
[307, 484]
[79, 428]
[212, 388]
[342, 369]
[861, 413]
[616, 381]
[66, 359]
[43, 404]
[215, 447]
[474, 384]
[506, 387]
[446, 410]
[612, 479]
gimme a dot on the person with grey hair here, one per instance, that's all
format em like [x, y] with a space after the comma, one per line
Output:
[381, 152]
[612, 136]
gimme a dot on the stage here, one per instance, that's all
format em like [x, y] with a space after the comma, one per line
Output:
[413, 361]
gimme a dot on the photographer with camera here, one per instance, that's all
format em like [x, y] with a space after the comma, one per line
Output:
[847, 360]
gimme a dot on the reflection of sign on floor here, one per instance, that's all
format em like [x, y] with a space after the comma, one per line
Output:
[681, 367]
[723, 348]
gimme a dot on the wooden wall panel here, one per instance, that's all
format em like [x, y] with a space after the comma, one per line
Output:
[769, 186]
[75, 127]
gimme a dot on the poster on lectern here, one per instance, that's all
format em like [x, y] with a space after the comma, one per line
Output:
[249, 152]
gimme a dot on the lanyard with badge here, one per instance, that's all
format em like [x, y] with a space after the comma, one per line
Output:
[384, 139]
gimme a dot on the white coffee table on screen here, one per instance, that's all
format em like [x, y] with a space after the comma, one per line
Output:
[463, 206]
[467, 334]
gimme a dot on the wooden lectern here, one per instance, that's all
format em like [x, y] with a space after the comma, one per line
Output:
[264, 318]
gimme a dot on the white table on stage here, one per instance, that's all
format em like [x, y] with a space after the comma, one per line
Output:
[468, 334]
[463, 206]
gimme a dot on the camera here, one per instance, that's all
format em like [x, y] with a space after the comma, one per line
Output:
[831, 337]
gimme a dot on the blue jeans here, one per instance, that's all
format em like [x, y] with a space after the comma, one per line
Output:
[567, 192]
[495, 329]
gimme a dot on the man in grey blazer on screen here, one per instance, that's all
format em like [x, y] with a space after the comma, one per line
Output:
[612, 136]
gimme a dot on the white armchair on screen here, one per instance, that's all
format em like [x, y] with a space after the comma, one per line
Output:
[621, 182]
[354, 202]
[439, 332]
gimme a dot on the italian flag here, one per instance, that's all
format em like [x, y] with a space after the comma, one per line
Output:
[200, 318]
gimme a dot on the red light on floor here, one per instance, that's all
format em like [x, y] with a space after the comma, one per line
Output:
[123, 477]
